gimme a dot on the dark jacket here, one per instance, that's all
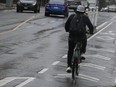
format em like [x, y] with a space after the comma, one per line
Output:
[86, 20]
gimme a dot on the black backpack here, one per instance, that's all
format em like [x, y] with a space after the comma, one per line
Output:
[77, 25]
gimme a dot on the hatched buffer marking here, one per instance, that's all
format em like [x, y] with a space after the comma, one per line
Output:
[9, 79]
[82, 76]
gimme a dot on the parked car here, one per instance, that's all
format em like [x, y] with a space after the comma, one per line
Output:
[104, 9]
[33, 5]
[72, 4]
[112, 8]
[59, 7]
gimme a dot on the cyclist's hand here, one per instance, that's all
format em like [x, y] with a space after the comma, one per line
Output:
[91, 33]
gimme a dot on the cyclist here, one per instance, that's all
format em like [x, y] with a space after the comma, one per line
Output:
[80, 11]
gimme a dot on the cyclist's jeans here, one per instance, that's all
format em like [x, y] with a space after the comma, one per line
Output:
[71, 46]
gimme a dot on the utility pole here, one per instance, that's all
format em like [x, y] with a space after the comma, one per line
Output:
[96, 13]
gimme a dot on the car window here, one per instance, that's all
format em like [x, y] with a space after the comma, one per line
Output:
[56, 1]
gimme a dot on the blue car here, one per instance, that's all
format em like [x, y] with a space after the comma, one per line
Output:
[59, 7]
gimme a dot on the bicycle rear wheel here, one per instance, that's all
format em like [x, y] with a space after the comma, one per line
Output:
[75, 64]
[74, 69]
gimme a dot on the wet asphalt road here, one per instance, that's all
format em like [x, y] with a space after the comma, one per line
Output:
[34, 53]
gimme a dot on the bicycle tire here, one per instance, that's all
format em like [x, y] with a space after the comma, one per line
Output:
[75, 64]
[74, 69]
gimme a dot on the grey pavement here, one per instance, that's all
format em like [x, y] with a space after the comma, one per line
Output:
[4, 7]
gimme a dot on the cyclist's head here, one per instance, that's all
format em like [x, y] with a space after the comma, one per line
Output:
[80, 9]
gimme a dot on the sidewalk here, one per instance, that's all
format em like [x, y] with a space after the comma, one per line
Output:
[3, 6]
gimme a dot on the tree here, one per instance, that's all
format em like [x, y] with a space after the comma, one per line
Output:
[101, 3]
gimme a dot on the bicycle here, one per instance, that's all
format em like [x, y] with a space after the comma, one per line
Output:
[76, 59]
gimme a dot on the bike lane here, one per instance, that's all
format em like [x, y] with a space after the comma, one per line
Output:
[98, 70]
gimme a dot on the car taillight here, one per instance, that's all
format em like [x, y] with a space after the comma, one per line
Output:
[47, 5]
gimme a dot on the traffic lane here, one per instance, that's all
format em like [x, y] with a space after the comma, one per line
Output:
[21, 39]
[96, 70]
[101, 50]
[10, 19]
[28, 45]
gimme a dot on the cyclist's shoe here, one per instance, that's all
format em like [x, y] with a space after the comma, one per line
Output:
[68, 70]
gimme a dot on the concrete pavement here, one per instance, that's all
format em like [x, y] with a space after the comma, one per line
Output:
[4, 7]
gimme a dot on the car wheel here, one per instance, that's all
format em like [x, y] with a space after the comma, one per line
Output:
[38, 10]
[21, 10]
[17, 10]
[47, 14]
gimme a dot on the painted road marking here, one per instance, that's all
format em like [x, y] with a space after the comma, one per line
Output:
[52, 21]
[93, 66]
[105, 38]
[23, 23]
[99, 31]
[55, 63]
[18, 25]
[98, 56]
[82, 76]
[6, 80]
[101, 25]
[109, 33]
[113, 18]
[43, 71]
[43, 23]
[65, 56]
[115, 80]
[106, 50]
[9, 79]
[88, 77]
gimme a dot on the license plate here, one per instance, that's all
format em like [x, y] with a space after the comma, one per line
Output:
[55, 7]
[25, 7]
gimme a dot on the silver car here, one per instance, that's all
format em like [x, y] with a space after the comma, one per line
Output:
[72, 4]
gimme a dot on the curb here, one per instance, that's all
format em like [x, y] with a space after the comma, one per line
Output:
[7, 8]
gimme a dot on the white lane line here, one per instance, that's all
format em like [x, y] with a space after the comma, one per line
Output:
[25, 82]
[101, 25]
[88, 77]
[9, 79]
[115, 80]
[82, 76]
[23, 23]
[43, 71]
[65, 56]
[52, 21]
[105, 38]
[113, 18]
[18, 25]
[55, 63]
[98, 56]
[43, 23]
[93, 66]
[106, 50]
[6, 80]
[99, 31]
